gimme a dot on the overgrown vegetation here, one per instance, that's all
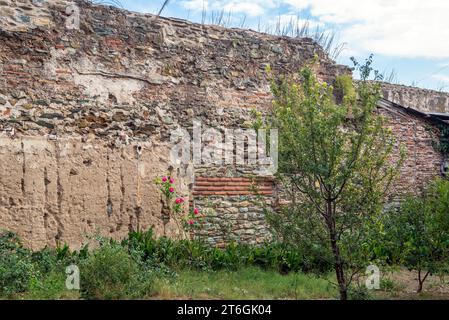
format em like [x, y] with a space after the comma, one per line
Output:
[334, 162]
[128, 269]
[416, 235]
[442, 144]
[194, 254]
[335, 167]
[111, 273]
[141, 266]
[40, 273]
[17, 270]
[246, 283]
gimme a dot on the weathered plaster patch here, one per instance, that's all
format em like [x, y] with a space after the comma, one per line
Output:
[101, 88]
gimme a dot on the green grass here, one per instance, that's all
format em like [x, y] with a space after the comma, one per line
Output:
[51, 287]
[248, 283]
[145, 268]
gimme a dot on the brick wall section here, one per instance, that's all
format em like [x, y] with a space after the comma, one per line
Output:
[234, 207]
[422, 162]
[205, 186]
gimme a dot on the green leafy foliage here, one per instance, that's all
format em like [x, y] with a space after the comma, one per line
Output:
[334, 162]
[344, 89]
[127, 269]
[442, 144]
[111, 273]
[16, 267]
[197, 254]
[42, 273]
[50, 286]
[416, 235]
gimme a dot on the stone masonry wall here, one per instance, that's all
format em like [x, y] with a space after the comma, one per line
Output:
[422, 162]
[86, 114]
[235, 208]
[417, 98]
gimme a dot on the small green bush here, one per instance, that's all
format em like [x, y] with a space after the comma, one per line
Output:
[416, 235]
[16, 267]
[46, 260]
[111, 273]
[388, 285]
[50, 286]
[359, 293]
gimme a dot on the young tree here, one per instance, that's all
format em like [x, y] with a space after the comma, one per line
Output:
[417, 234]
[335, 164]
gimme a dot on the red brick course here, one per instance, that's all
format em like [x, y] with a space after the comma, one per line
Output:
[205, 186]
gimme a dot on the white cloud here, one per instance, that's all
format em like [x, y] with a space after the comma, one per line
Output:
[295, 20]
[251, 8]
[441, 77]
[290, 24]
[195, 5]
[404, 28]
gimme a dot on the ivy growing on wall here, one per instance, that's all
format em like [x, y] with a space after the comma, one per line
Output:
[442, 144]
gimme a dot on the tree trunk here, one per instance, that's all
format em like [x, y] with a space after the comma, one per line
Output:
[338, 264]
[339, 271]
[421, 281]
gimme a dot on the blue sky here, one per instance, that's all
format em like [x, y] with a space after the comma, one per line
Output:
[409, 37]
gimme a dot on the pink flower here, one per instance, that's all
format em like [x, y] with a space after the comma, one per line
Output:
[196, 211]
[171, 190]
[191, 222]
[172, 180]
[164, 179]
[179, 200]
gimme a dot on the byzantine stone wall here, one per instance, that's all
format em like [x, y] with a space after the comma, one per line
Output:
[86, 114]
[417, 98]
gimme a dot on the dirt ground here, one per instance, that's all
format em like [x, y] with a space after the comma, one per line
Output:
[402, 284]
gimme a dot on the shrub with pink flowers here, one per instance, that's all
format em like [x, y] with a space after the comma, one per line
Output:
[175, 205]
[193, 220]
[166, 186]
